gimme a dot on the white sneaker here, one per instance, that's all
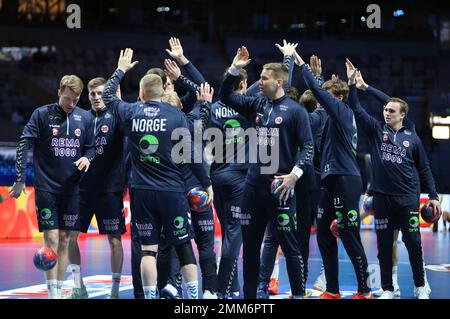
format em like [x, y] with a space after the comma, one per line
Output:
[422, 292]
[78, 293]
[321, 282]
[378, 292]
[209, 295]
[387, 294]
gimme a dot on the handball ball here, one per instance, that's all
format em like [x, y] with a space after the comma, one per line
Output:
[368, 204]
[197, 198]
[334, 228]
[427, 214]
[275, 184]
[45, 259]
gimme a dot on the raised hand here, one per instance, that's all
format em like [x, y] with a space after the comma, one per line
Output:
[316, 65]
[176, 51]
[125, 58]
[360, 84]
[351, 72]
[172, 70]
[205, 93]
[287, 48]
[242, 58]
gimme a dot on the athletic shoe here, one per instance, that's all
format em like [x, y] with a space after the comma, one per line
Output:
[180, 292]
[327, 295]
[422, 292]
[387, 294]
[209, 294]
[234, 295]
[377, 293]
[170, 292]
[263, 291]
[307, 294]
[359, 295]
[321, 282]
[112, 297]
[273, 286]
[78, 293]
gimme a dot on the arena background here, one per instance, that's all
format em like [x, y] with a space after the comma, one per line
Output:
[408, 56]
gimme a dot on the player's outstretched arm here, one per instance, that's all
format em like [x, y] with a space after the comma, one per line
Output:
[362, 118]
[176, 51]
[334, 107]
[316, 67]
[245, 105]
[205, 96]
[109, 94]
[193, 75]
[362, 85]
[288, 50]
[30, 133]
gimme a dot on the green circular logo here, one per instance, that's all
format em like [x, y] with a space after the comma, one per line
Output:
[338, 217]
[178, 222]
[231, 127]
[45, 213]
[414, 221]
[352, 215]
[148, 144]
[283, 219]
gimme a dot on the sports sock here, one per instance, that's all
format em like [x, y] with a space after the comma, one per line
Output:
[51, 287]
[59, 285]
[150, 292]
[115, 284]
[192, 289]
[76, 273]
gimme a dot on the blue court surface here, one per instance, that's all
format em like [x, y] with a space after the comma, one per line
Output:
[20, 279]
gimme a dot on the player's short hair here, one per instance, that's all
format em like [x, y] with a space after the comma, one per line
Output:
[337, 87]
[293, 93]
[96, 82]
[241, 77]
[160, 72]
[280, 71]
[152, 86]
[308, 100]
[73, 82]
[404, 107]
[172, 98]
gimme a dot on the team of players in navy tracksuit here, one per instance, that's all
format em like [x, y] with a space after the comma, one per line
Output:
[243, 198]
